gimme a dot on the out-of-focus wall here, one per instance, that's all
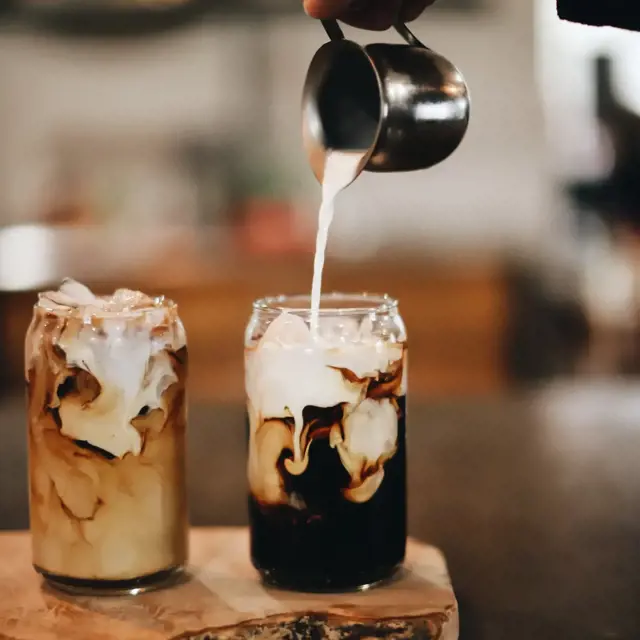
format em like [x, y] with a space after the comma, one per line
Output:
[565, 62]
[494, 192]
[153, 90]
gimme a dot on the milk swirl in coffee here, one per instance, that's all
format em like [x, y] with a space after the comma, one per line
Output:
[326, 386]
[107, 416]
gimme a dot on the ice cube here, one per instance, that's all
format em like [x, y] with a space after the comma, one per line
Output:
[338, 330]
[71, 294]
[127, 299]
[366, 330]
[371, 430]
[78, 292]
[287, 329]
[366, 359]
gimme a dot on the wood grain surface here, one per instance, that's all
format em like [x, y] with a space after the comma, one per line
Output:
[222, 599]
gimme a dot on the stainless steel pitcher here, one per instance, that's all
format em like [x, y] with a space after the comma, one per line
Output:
[403, 106]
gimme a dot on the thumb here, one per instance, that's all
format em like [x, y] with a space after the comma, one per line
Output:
[325, 9]
[411, 9]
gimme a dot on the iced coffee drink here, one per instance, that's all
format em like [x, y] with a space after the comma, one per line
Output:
[106, 418]
[326, 417]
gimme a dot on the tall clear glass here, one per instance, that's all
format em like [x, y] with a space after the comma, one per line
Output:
[327, 458]
[106, 428]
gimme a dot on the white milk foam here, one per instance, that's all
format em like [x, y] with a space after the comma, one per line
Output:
[127, 355]
[340, 170]
[291, 369]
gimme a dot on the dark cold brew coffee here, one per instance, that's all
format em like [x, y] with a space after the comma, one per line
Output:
[332, 543]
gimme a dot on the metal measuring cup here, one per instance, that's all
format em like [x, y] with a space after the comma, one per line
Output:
[402, 106]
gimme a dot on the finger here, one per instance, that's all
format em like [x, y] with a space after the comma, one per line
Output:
[376, 15]
[325, 9]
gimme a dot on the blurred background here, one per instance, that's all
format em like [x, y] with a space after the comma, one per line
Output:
[159, 148]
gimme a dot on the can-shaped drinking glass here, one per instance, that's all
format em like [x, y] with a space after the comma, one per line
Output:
[326, 407]
[107, 415]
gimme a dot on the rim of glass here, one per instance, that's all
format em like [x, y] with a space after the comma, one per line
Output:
[167, 305]
[335, 304]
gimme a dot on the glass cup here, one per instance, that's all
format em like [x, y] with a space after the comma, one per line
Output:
[327, 457]
[106, 430]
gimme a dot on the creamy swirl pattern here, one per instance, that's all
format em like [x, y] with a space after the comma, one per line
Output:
[107, 416]
[115, 340]
[290, 370]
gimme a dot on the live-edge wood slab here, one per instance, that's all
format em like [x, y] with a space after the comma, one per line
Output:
[224, 600]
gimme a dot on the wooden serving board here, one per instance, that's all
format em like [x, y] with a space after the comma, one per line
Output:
[224, 600]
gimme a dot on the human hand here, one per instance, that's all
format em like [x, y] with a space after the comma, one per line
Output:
[376, 15]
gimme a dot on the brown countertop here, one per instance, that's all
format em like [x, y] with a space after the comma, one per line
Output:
[534, 499]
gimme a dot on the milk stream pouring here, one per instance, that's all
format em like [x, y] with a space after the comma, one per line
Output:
[341, 168]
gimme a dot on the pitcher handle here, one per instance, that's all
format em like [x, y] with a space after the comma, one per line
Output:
[335, 33]
[407, 36]
[333, 30]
